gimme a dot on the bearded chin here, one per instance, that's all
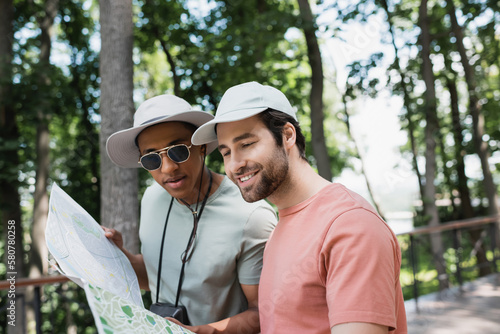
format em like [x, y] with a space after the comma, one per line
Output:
[271, 178]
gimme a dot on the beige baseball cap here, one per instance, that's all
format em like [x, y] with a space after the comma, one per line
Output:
[240, 102]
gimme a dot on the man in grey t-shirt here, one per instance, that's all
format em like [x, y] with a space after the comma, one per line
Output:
[202, 244]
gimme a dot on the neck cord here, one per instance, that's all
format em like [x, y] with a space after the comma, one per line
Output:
[161, 252]
[184, 256]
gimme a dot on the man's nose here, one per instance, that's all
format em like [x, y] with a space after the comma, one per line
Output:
[235, 164]
[167, 165]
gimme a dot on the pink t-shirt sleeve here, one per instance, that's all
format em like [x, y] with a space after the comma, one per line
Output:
[358, 258]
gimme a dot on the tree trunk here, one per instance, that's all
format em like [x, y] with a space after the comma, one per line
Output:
[463, 189]
[9, 185]
[171, 62]
[161, 36]
[466, 205]
[91, 134]
[39, 255]
[71, 327]
[119, 187]
[316, 99]
[431, 131]
[481, 146]
[447, 186]
[406, 101]
[39, 252]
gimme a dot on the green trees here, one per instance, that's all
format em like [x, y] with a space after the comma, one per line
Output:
[443, 107]
[72, 70]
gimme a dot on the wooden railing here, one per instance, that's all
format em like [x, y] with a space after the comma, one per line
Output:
[488, 224]
[458, 224]
[25, 282]
[19, 285]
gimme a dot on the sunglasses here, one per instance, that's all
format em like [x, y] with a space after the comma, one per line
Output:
[177, 153]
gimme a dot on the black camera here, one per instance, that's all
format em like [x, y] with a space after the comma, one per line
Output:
[168, 310]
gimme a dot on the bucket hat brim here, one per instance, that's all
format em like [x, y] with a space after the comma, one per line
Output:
[122, 148]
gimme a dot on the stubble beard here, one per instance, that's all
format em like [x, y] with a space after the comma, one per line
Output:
[271, 177]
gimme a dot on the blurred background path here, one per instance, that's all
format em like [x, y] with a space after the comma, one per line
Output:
[475, 309]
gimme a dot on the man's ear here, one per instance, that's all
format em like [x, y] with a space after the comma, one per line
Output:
[289, 135]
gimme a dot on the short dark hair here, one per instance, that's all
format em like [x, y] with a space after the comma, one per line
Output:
[275, 121]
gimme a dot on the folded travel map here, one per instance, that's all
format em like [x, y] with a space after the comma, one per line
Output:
[84, 254]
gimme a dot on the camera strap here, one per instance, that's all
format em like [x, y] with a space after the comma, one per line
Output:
[185, 258]
[161, 252]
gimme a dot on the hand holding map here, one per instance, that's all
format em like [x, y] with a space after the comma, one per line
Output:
[84, 254]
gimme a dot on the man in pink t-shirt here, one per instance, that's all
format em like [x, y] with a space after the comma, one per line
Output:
[332, 264]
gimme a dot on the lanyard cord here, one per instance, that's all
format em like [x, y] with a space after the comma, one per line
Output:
[184, 256]
[161, 252]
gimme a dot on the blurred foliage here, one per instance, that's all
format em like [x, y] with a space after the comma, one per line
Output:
[199, 50]
[426, 274]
